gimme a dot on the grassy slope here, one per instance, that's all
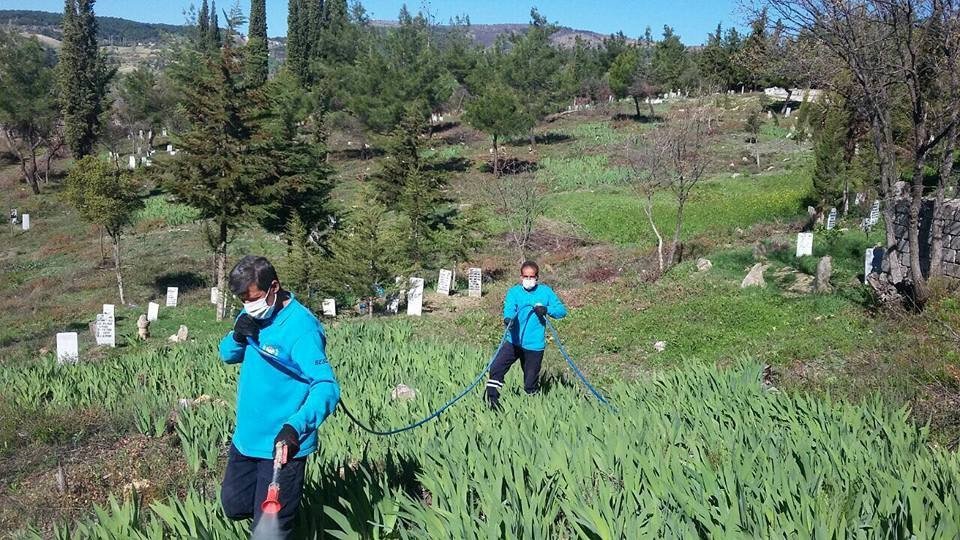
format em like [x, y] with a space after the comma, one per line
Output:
[53, 281]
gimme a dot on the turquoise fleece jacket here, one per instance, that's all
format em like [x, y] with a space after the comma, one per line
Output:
[527, 331]
[268, 397]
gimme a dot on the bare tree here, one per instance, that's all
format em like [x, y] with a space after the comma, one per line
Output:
[520, 200]
[673, 158]
[894, 51]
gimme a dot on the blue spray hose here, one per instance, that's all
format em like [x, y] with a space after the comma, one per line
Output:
[296, 372]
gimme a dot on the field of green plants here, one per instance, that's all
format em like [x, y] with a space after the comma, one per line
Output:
[700, 452]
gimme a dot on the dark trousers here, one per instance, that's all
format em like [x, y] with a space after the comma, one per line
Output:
[530, 362]
[245, 488]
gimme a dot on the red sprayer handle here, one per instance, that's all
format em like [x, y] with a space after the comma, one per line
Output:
[271, 505]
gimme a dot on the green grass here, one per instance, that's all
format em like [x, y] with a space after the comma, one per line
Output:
[563, 174]
[158, 209]
[699, 449]
[717, 207]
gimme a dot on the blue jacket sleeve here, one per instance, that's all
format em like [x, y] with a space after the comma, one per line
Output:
[231, 352]
[309, 353]
[510, 307]
[555, 307]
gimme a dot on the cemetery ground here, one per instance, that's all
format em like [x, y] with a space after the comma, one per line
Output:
[594, 246]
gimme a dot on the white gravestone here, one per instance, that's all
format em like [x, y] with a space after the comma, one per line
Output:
[804, 244]
[475, 282]
[415, 297]
[108, 309]
[14, 216]
[875, 213]
[787, 113]
[67, 350]
[132, 163]
[214, 295]
[153, 310]
[25, 222]
[832, 219]
[164, 132]
[867, 264]
[106, 330]
[443, 283]
[394, 306]
[172, 294]
[329, 306]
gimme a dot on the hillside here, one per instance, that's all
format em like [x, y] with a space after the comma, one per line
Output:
[123, 32]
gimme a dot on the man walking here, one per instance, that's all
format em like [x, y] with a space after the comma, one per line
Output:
[525, 308]
[281, 401]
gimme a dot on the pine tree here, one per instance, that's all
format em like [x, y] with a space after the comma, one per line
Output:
[242, 160]
[257, 47]
[365, 255]
[498, 113]
[83, 76]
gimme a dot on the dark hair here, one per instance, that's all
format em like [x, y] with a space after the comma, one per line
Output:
[530, 264]
[249, 270]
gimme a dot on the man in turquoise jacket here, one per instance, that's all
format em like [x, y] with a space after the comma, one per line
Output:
[277, 401]
[524, 310]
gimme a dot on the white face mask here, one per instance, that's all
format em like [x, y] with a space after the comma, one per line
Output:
[528, 283]
[260, 309]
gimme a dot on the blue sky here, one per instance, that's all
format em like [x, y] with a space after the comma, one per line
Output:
[693, 20]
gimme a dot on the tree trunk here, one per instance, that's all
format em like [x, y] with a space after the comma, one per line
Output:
[676, 231]
[650, 104]
[648, 210]
[221, 261]
[786, 102]
[102, 254]
[846, 195]
[913, 235]
[116, 264]
[936, 225]
[28, 163]
[636, 103]
[496, 158]
[756, 150]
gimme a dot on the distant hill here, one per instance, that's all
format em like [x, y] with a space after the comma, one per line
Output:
[112, 30]
[122, 32]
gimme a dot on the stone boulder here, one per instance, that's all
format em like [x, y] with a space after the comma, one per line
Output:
[143, 327]
[824, 271]
[755, 277]
[402, 392]
[181, 335]
[703, 264]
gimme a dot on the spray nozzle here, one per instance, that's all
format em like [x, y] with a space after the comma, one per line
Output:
[271, 505]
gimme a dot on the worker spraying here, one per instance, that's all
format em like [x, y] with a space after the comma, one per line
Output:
[525, 309]
[279, 406]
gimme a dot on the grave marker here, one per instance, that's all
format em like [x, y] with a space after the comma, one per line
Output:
[415, 297]
[329, 306]
[444, 281]
[67, 350]
[108, 309]
[106, 330]
[475, 282]
[25, 222]
[394, 306]
[804, 244]
[787, 113]
[132, 163]
[170, 149]
[172, 294]
[153, 310]
[214, 295]
[14, 216]
[872, 262]
[164, 132]
[875, 213]
[832, 219]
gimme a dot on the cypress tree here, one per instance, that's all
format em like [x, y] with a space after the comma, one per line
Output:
[257, 52]
[296, 55]
[213, 37]
[83, 77]
[203, 25]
